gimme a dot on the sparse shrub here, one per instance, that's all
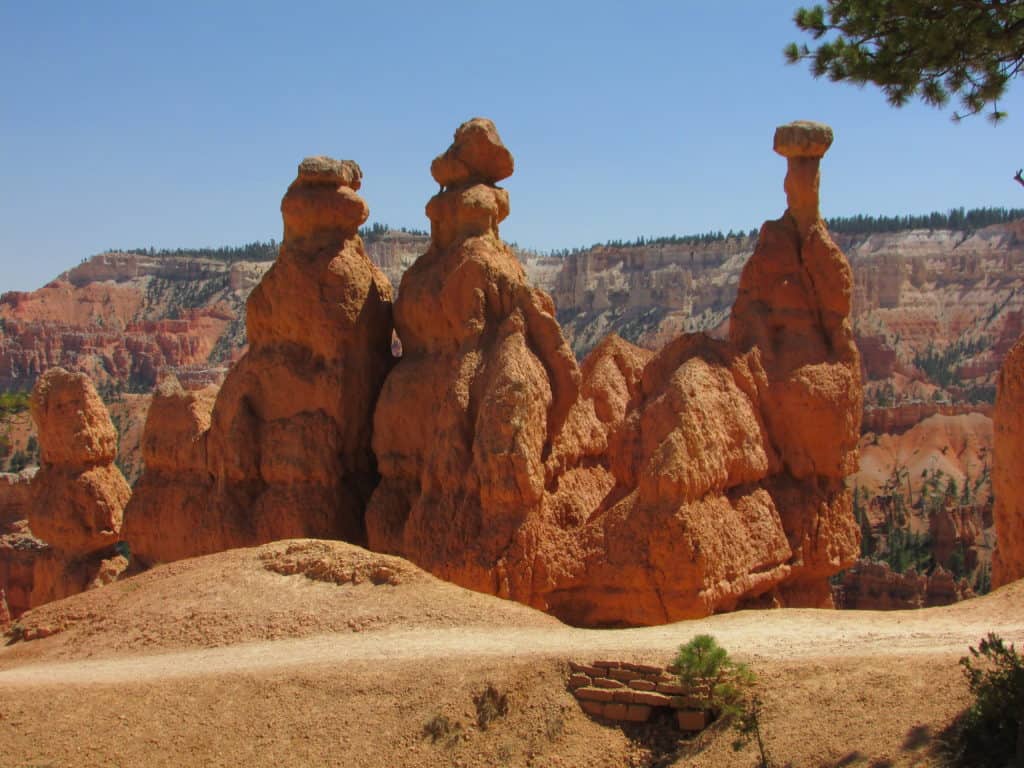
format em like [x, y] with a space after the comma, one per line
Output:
[703, 660]
[491, 705]
[440, 728]
[991, 731]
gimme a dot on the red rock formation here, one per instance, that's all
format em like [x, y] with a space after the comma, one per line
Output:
[874, 586]
[30, 571]
[638, 490]
[1008, 470]
[74, 504]
[287, 448]
[792, 312]
[78, 493]
[878, 358]
[168, 515]
[955, 528]
[19, 550]
[487, 373]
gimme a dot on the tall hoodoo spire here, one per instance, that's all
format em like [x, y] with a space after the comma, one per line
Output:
[803, 143]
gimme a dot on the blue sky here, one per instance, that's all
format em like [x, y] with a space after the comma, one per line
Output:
[180, 124]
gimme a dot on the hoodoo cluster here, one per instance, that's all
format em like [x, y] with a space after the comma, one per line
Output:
[632, 488]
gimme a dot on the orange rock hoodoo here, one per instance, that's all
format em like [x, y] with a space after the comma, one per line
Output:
[632, 489]
[73, 505]
[78, 495]
[1008, 470]
[285, 451]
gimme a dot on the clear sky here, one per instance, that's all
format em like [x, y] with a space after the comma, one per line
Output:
[126, 124]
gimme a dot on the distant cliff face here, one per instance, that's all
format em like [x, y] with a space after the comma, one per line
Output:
[934, 311]
[124, 319]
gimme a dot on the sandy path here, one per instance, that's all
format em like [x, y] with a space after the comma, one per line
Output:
[755, 635]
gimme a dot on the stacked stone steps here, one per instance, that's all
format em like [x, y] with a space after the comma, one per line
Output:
[627, 692]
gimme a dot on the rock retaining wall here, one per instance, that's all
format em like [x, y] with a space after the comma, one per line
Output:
[625, 692]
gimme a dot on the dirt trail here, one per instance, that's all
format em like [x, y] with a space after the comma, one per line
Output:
[756, 635]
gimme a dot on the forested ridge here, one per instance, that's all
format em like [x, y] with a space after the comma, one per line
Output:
[861, 224]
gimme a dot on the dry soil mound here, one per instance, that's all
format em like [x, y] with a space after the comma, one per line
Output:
[286, 589]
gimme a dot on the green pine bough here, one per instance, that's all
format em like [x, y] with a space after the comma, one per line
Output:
[934, 50]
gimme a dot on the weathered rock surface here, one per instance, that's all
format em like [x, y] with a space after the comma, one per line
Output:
[901, 418]
[30, 572]
[956, 531]
[285, 450]
[633, 489]
[956, 447]
[1008, 470]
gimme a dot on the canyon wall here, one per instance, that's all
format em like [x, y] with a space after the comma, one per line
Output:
[124, 319]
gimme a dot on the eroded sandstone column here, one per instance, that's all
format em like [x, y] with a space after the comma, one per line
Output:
[793, 307]
[466, 419]
[803, 144]
[169, 516]
[78, 495]
[5, 612]
[72, 506]
[287, 448]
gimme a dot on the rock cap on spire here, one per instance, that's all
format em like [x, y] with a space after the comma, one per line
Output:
[476, 156]
[327, 170]
[803, 138]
